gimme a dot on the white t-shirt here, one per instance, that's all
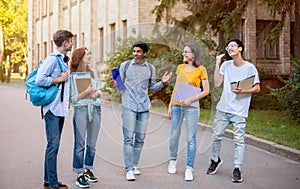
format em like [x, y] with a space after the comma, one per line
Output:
[228, 102]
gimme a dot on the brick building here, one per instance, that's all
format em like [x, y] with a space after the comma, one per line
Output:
[98, 23]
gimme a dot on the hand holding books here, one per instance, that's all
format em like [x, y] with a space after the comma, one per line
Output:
[184, 92]
[116, 79]
[83, 85]
[238, 87]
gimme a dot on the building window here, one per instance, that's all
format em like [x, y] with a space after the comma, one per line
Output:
[124, 29]
[51, 46]
[44, 50]
[44, 8]
[292, 37]
[74, 41]
[37, 11]
[266, 51]
[50, 7]
[64, 4]
[73, 3]
[38, 55]
[82, 42]
[101, 41]
[112, 36]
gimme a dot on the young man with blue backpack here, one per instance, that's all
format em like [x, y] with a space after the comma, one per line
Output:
[50, 73]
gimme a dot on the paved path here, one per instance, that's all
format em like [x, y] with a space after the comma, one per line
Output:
[22, 143]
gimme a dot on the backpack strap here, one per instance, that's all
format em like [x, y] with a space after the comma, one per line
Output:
[59, 62]
[63, 83]
[125, 69]
[151, 70]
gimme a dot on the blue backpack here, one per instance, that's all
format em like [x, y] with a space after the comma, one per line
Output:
[40, 96]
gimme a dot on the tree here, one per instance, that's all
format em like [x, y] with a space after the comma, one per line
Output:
[13, 34]
[209, 17]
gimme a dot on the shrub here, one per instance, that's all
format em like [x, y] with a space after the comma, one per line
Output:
[288, 95]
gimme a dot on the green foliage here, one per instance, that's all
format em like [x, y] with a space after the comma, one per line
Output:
[288, 95]
[281, 7]
[264, 101]
[218, 16]
[225, 17]
[13, 20]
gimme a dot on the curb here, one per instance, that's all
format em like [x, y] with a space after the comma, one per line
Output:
[263, 144]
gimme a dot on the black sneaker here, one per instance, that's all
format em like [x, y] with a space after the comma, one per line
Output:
[90, 176]
[214, 166]
[60, 185]
[81, 182]
[237, 176]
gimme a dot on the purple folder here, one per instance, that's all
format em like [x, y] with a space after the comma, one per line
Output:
[185, 91]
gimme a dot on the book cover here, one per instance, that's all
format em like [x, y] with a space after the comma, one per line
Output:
[116, 76]
[243, 84]
[81, 80]
[185, 91]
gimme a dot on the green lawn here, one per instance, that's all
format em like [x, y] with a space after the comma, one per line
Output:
[271, 125]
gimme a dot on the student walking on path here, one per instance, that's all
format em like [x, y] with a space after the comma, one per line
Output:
[231, 108]
[194, 74]
[138, 76]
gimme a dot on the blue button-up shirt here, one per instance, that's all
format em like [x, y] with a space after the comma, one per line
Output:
[135, 96]
[50, 69]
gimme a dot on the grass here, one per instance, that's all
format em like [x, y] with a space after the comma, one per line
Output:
[272, 125]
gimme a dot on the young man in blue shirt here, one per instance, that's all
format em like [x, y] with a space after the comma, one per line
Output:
[138, 76]
[55, 112]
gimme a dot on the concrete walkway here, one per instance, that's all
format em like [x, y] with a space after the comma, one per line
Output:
[22, 145]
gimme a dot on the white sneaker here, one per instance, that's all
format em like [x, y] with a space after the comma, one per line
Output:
[188, 176]
[130, 176]
[136, 171]
[172, 167]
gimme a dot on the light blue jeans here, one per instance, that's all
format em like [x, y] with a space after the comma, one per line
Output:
[192, 115]
[221, 121]
[85, 137]
[134, 133]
